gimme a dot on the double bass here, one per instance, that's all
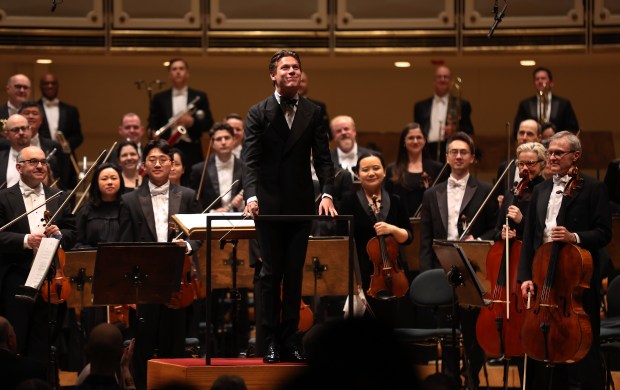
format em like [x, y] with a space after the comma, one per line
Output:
[498, 327]
[388, 280]
[557, 329]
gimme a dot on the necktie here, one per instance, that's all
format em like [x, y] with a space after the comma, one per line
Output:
[285, 102]
[559, 181]
[453, 183]
[159, 190]
[28, 192]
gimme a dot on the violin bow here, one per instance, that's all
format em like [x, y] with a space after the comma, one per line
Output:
[62, 206]
[77, 205]
[56, 195]
[204, 173]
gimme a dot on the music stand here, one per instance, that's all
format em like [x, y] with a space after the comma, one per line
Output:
[326, 266]
[476, 252]
[80, 268]
[137, 272]
[461, 274]
[221, 265]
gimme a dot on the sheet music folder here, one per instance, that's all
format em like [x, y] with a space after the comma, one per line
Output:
[195, 226]
[461, 274]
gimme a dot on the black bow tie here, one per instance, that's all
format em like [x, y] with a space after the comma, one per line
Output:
[288, 102]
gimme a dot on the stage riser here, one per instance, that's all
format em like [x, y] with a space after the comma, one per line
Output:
[260, 377]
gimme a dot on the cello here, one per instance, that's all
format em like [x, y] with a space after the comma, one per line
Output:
[557, 329]
[388, 280]
[498, 326]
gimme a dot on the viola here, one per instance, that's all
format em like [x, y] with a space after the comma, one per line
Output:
[556, 329]
[58, 289]
[498, 327]
[388, 280]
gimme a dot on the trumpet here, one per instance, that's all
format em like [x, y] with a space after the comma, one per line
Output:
[191, 108]
[543, 104]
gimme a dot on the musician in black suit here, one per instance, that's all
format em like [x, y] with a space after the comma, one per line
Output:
[18, 90]
[447, 209]
[612, 181]
[347, 150]
[280, 133]
[144, 217]
[175, 100]
[17, 245]
[59, 116]
[17, 135]
[223, 169]
[587, 223]
[559, 111]
[437, 114]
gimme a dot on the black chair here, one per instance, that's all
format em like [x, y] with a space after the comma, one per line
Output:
[430, 289]
[610, 329]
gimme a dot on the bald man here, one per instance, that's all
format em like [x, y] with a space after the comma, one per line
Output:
[18, 89]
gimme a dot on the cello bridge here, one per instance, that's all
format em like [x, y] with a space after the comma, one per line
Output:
[548, 305]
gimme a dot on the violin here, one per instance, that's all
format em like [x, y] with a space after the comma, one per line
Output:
[58, 289]
[498, 327]
[388, 280]
[557, 329]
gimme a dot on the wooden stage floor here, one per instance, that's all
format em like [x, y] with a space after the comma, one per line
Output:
[260, 376]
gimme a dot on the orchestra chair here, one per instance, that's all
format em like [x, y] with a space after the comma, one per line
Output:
[610, 329]
[430, 289]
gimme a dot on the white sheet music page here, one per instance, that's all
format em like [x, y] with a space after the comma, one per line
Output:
[196, 221]
[42, 262]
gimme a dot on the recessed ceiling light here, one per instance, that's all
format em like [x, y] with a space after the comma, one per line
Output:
[44, 61]
[402, 64]
[166, 63]
[527, 62]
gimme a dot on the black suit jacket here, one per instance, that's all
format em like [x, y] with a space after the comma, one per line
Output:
[612, 181]
[68, 123]
[4, 111]
[422, 115]
[161, 111]
[434, 217]
[211, 185]
[278, 158]
[562, 113]
[586, 214]
[136, 217]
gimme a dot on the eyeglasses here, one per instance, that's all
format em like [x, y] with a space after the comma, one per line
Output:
[163, 160]
[17, 129]
[529, 164]
[454, 152]
[33, 162]
[21, 86]
[559, 153]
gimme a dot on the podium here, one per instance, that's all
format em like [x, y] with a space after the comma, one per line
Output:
[235, 226]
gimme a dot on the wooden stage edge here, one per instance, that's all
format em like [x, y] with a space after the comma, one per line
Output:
[259, 376]
[194, 371]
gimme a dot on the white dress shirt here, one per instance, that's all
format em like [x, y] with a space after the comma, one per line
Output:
[348, 160]
[439, 111]
[12, 175]
[553, 207]
[52, 114]
[159, 198]
[456, 191]
[33, 197]
[225, 178]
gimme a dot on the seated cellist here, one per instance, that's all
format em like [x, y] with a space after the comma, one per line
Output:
[587, 223]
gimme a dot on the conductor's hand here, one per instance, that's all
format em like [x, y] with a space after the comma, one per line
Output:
[251, 209]
[326, 207]
[526, 287]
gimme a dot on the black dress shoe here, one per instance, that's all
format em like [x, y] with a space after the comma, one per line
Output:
[272, 355]
[293, 355]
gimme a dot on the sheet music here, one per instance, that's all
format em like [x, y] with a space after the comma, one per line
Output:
[42, 262]
[196, 221]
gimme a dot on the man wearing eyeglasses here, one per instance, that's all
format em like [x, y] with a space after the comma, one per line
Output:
[447, 211]
[580, 216]
[18, 90]
[17, 134]
[18, 245]
[144, 217]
